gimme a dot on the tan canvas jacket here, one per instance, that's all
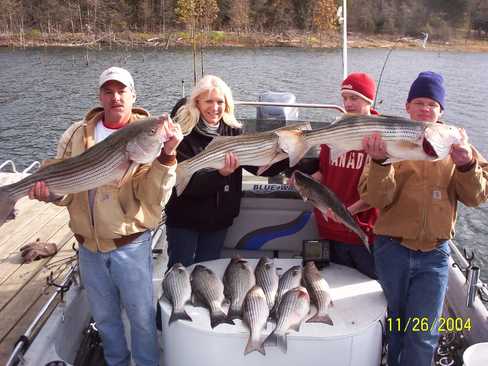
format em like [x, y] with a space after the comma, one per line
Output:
[118, 212]
[418, 199]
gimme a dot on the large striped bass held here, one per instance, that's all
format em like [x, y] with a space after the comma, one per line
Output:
[257, 149]
[106, 162]
[323, 198]
[405, 139]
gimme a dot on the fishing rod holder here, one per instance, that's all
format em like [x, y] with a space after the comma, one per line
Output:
[61, 289]
[472, 273]
[468, 258]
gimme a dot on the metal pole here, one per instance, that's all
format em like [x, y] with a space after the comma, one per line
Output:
[296, 105]
[344, 39]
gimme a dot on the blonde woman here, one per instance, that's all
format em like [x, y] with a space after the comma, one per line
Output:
[197, 221]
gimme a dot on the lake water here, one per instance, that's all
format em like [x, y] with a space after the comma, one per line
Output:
[44, 90]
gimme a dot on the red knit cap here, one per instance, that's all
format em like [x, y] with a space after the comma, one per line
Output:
[361, 84]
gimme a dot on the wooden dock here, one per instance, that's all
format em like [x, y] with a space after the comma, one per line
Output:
[23, 287]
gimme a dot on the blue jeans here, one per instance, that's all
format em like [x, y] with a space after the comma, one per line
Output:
[188, 246]
[123, 277]
[354, 256]
[414, 284]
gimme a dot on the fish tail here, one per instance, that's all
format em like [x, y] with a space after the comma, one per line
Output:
[179, 315]
[218, 317]
[293, 143]
[326, 319]
[183, 177]
[254, 345]
[7, 204]
[234, 314]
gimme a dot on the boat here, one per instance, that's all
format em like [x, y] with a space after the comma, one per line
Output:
[275, 222]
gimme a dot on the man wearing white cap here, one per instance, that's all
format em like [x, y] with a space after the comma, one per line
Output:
[112, 224]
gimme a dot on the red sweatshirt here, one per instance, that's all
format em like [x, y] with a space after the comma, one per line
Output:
[342, 177]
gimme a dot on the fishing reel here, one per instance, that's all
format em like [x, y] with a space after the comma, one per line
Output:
[317, 251]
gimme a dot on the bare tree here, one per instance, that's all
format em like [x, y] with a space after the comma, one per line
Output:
[239, 14]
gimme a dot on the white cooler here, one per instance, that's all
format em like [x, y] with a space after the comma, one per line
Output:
[354, 339]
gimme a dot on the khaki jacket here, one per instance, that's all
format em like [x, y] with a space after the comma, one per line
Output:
[418, 199]
[118, 212]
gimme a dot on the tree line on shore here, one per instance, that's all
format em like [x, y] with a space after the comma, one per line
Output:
[441, 19]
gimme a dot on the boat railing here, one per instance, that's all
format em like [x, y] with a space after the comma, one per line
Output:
[293, 105]
[472, 273]
[28, 170]
[24, 341]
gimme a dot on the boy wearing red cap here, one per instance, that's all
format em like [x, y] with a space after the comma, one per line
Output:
[342, 176]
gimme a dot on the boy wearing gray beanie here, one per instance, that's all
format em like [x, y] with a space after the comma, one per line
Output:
[417, 202]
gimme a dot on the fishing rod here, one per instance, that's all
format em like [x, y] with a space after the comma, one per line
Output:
[424, 42]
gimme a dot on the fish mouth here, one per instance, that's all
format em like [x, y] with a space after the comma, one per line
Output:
[429, 149]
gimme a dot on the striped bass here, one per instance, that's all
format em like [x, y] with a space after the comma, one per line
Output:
[177, 289]
[107, 162]
[291, 313]
[267, 278]
[238, 280]
[255, 315]
[323, 198]
[405, 139]
[319, 292]
[208, 291]
[258, 149]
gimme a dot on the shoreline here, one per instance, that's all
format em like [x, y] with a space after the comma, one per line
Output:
[173, 40]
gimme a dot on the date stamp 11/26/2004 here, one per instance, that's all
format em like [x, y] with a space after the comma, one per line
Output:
[425, 324]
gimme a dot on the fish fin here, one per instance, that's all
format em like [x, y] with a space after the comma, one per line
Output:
[335, 153]
[218, 317]
[7, 205]
[218, 139]
[326, 319]
[179, 315]
[292, 143]
[182, 177]
[254, 346]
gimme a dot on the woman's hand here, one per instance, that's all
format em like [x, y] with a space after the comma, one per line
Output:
[231, 163]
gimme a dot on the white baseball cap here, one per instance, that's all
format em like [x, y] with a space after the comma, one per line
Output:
[117, 73]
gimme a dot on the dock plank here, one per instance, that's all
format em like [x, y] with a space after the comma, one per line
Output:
[45, 232]
[33, 217]
[22, 275]
[23, 289]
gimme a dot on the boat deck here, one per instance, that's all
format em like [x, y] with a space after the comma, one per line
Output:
[23, 287]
